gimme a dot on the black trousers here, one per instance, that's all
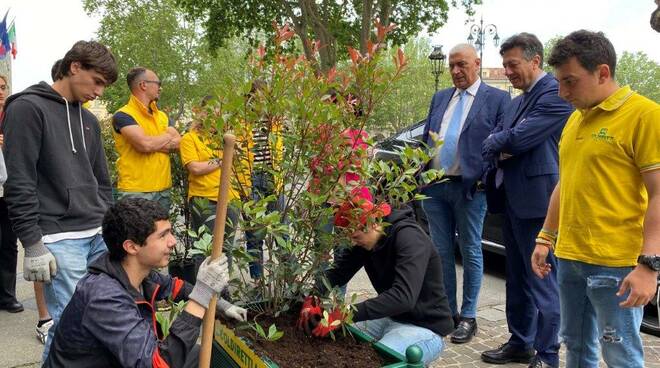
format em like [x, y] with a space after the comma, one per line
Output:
[8, 257]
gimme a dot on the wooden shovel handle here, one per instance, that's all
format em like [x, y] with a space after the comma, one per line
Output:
[218, 241]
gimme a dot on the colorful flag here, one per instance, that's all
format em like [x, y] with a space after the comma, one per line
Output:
[12, 39]
[4, 37]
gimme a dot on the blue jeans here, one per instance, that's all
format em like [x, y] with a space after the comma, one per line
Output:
[72, 257]
[262, 187]
[449, 211]
[591, 316]
[398, 336]
[163, 197]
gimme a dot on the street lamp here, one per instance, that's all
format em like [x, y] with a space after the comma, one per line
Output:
[476, 37]
[437, 58]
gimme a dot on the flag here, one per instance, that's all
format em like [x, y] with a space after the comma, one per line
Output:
[4, 37]
[12, 39]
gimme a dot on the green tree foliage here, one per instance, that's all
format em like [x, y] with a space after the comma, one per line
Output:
[547, 50]
[155, 34]
[641, 73]
[410, 95]
[336, 24]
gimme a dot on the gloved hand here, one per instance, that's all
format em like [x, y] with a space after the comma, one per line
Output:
[311, 318]
[39, 263]
[311, 314]
[229, 310]
[212, 277]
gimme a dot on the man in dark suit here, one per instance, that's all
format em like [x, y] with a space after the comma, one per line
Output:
[461, 117]
[524, 149]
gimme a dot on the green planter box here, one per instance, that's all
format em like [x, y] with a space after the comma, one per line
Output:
[229, 351]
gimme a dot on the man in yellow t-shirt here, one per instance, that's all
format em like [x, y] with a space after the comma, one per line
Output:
[603, 220]
[144, 137]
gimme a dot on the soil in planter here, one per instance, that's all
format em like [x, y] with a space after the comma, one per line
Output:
[297, 350]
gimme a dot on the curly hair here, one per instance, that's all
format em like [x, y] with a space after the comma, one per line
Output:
[130, 219]
[589, 48]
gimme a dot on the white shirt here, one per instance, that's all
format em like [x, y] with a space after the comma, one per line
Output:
[467, 104]
[70, 235]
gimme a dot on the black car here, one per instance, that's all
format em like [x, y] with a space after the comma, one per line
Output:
[492, 239]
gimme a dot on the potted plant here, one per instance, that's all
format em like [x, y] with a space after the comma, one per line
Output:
[319, 161]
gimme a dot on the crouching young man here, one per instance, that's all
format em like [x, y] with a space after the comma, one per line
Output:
[405, 270]
[110, 320]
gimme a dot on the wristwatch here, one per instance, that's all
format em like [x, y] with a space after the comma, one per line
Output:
[652, 262]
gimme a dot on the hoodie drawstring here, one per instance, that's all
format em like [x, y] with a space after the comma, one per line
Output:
[82, 130]
[68, 120]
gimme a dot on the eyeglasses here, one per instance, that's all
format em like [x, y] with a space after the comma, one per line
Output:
[159, 83]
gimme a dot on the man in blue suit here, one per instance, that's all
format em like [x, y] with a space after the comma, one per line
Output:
[524, 149]
[461, 117]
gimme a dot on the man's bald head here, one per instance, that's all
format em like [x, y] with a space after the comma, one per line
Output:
[464, 65]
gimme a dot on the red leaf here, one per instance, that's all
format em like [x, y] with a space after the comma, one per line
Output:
[332, 73]
[370, 48]
[401, 58]
[355, 55]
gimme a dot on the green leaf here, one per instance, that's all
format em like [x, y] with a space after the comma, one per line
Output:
[260, 330]
[278, 335]
[272, 330]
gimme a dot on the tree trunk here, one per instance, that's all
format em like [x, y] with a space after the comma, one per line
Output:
[328, 49]
[385, 12]
[367, 10]
[300, 27]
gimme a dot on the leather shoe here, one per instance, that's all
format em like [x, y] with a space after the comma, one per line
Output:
[538, 363]
[507, 353]
[465, 330]
[12, 307]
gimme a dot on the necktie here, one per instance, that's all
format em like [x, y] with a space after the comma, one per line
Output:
[450, 144]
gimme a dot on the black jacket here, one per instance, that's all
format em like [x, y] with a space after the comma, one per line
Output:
[58, 176]
[405, 270]
[108, 323]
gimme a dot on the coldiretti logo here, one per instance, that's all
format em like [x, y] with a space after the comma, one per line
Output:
[602, 136]
[236, 348]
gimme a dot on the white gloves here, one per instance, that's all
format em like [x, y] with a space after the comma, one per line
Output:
[39, 263]
[229, 310]
[212, 277]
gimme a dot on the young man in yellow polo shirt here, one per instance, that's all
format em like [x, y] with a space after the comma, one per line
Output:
[144, 137]
[603, 221]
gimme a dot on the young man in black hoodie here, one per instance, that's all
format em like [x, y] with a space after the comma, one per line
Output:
[404, 268]
[110, 320]
[58, 186]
